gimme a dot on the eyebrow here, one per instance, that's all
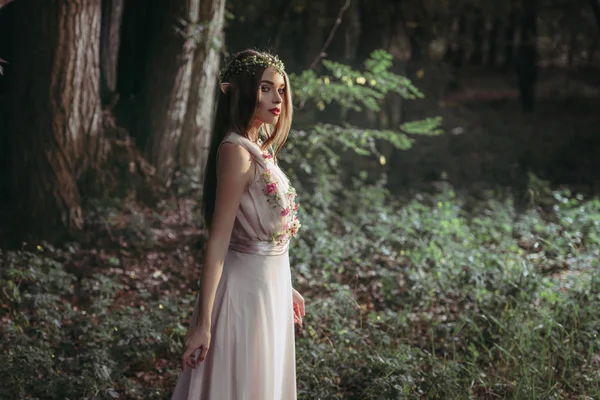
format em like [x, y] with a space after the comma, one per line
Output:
[271, 83]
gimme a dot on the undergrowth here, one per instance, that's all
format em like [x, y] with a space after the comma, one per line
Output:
[412, 300]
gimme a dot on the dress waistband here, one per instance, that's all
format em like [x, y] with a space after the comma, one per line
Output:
[261, 248]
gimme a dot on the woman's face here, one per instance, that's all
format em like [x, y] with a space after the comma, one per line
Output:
[270, 97]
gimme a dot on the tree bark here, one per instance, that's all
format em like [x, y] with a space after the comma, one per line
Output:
[167, 86]
[56, 79]
[198, 122]
[181, 73]
[112, 14]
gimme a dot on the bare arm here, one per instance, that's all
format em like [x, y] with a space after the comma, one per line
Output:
[234, 171]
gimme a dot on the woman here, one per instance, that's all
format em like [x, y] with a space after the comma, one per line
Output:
[241, 340]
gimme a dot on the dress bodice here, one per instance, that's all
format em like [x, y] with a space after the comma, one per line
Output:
[267, 214]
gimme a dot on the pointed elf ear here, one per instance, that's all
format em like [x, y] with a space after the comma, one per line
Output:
[224, 87]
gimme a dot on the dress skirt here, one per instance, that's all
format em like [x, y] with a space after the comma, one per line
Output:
[252, 350]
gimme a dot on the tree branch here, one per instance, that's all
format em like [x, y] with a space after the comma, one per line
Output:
[338, 21]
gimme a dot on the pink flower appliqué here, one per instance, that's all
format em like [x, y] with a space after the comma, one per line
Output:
[271, 188]
[288, 211]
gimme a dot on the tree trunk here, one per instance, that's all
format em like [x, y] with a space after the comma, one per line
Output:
[7, 46]
[198, 122]
[374, 27]
[167, 85]
[351, 32]
[56, 79]
[595, 4]
[4, 2]
[493, 40]
[455, 54]
[527, 56]
[411, 23]
[591, 53]
[509, 38]
[138, 30]
[112, 14]
[477, 35]
[459, 49]
[572, 49]
[284, 12]
[316, 35]
[183, 56]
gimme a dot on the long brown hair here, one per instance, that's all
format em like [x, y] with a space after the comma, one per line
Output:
[236, 110]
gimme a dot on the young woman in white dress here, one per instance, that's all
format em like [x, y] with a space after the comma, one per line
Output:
[240, 344]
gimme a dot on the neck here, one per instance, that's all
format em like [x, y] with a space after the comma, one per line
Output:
[253, 133]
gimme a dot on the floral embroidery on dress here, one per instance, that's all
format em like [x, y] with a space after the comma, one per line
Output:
[292, 224]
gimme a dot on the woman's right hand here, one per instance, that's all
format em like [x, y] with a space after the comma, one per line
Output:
[198, 339]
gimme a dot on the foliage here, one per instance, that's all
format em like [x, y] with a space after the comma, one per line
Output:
[317, 153]
[82, 351]
[353, 89]
[438, 303]
[431, 302]
[357, 91]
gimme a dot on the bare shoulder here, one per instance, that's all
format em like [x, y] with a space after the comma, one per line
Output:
[234, 161]
[233, 151]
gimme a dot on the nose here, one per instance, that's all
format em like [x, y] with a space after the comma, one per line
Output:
[277, 98]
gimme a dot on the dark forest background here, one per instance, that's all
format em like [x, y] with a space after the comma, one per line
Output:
[446, 155]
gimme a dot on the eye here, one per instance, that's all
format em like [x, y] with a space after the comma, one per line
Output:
[282, 91]
[264, 88]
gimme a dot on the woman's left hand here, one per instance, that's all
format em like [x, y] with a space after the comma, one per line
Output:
[298, 305]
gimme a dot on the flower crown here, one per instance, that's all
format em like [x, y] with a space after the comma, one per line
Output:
[249, 64]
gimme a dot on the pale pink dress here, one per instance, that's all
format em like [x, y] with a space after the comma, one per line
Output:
[252, 352]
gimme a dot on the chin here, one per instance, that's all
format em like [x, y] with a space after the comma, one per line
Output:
[270, 121]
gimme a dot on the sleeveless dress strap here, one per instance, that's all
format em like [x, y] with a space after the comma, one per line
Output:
[249, 145]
